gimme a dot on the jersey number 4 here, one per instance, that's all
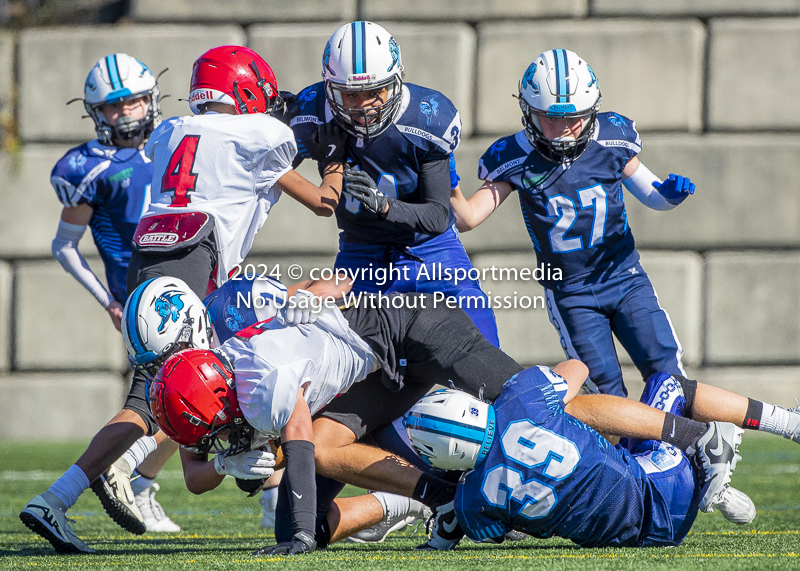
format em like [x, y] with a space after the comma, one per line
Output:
[178, 177]
[533, 447]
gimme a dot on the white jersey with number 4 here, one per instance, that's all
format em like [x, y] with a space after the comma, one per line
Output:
[272, 361]
[223, 165]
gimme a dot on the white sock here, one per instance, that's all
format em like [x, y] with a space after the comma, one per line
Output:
[139, 483]
[773, 419]
[70, 486]
[136, 454]
[395, 506]
[270, 495]
[269, 501]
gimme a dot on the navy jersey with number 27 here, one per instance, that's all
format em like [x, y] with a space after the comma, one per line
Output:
[574, 212]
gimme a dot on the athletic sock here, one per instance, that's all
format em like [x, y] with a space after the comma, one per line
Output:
[773, 418]
[139, 483]
[752, 419]
[433, 491]
[392, 504]
[70, 486]
[681, 432]
[140, 449]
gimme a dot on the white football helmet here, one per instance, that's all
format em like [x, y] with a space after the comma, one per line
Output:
[162, 316]
[362, 56]
[120, 77]
[451, 430]
[559, 83]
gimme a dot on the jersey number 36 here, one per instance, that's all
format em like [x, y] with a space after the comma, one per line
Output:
[533, 447]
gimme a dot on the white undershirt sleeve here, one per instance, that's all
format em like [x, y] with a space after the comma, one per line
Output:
[65, 250]
[640, 185]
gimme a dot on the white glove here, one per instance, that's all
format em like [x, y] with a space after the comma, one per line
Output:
[247, 465]
[302, 307]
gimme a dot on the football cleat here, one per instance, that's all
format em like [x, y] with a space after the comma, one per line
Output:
[44, 517]
[153, 514]
[515, 535]
[716, 454]
[792, 430]
[736, 506]
[378, 532]
[445, 533]
[113, 488]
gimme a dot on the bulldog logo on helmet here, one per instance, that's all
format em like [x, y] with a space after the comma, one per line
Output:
[168, 306]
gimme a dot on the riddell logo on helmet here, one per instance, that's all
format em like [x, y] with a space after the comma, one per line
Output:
[201, 96]
[361, 77]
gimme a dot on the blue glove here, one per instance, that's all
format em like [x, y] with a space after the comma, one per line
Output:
[675, 189]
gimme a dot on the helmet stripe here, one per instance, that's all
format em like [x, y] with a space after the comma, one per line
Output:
[561, 76]
[438, 425]
[113, 72]
[130, 318]
[359, 39]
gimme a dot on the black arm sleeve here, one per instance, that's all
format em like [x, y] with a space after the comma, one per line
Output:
[432, 214]
[301, 484]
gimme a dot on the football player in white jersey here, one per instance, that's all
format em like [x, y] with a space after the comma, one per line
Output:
[218, 173]
[212, 191]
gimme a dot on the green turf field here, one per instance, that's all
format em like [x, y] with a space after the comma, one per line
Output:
[222, 527]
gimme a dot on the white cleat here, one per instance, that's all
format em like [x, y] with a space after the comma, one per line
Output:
[792, 430]
[45, 516]
[736, 506]
[445, 533]
[153, 514]
[716, 454]
[378, 532]
[113, 489]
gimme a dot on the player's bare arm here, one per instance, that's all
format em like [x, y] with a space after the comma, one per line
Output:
[322, 199]
[198, 472]
[471, 212]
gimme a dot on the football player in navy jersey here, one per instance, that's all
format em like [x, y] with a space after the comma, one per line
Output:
[536, 469]
[568, 165]
[104, 184]
[397, 232]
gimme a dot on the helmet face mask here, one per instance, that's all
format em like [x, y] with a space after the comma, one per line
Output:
[559, 84]
[451, 430]
[234, 75]
[118, 78]
[193, 400]
[363, 57]
[161, 317]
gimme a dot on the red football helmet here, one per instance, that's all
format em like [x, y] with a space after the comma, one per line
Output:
[192, 399]
[235, 75]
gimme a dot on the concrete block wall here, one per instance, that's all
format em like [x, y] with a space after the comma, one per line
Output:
[710, 84]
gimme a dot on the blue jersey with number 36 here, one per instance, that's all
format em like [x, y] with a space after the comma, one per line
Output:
[574, 212]
[548, 473]
[428, 128]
